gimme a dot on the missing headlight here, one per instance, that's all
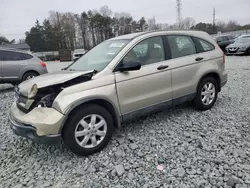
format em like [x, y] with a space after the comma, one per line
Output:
[46, 101]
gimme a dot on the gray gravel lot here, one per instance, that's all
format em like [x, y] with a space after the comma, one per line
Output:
[181, 147]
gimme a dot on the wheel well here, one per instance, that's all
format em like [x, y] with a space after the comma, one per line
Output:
[30, 71]
[107, 105]
[213, 75]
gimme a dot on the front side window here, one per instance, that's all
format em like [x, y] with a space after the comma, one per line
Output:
[181, 46]
[10, 56]
[100, 56]
[146, 52]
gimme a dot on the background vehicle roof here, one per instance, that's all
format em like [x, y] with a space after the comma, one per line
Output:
[15, 50]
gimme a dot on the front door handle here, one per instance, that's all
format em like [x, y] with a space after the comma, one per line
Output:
[162, 67]
[199, 58]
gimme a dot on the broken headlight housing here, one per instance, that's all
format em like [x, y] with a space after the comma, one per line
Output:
[46, 101]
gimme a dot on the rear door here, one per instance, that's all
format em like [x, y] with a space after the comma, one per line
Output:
[184, 63]
[12, 64]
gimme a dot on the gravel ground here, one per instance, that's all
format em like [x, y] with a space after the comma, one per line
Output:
[181, 147]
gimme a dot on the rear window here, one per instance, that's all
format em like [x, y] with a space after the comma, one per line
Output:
[11, 56]
[206, 46]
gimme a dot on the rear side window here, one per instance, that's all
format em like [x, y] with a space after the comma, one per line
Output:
[11, 56]
[181, 46]
[206, 46]
[224, 38]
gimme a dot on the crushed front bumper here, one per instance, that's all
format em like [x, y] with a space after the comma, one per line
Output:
[40, 125]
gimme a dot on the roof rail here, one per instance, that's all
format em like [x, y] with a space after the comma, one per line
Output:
[13, 49]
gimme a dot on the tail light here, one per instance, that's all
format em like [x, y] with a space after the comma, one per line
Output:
[43, 64]
[224, 58]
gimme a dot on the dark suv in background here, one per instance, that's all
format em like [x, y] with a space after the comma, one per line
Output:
[224, 40]
[17, 66]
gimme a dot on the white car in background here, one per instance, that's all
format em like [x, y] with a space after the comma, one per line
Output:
[243, 36]
[78, 53]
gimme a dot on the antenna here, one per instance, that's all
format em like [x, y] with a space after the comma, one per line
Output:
[178, 5]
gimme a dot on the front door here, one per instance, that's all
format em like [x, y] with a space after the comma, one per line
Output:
[146, 89]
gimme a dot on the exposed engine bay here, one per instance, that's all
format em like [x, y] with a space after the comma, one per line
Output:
[45, 96]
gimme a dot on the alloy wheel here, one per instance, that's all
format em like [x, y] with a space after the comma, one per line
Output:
[90, 131]
[208, 93]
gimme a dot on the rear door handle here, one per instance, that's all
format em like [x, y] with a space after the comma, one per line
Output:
[24, 64]
[162, 67]
[199, 58]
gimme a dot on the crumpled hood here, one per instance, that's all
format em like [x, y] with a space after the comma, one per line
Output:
[50, 79]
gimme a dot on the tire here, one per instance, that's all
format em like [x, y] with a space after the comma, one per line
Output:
[207, 101]
[29, 75]
[84, 115]
[248, 51]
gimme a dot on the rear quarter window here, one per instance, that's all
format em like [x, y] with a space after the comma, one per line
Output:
[205, 45]
[27, 56]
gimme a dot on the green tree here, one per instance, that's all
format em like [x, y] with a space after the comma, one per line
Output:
[142, 22]
[35, 39]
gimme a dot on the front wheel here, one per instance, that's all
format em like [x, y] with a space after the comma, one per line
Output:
[248, 51]
[88, 130]
[206, 94]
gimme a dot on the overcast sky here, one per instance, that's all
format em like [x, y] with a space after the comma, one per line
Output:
[17, 16]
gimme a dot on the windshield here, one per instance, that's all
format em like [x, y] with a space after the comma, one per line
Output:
[100, 56]
[242, 40]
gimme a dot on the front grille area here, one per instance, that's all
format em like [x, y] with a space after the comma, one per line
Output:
[20, 99]
[233, 50]
[22, 108]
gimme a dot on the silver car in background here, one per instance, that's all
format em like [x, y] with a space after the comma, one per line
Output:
[17, 66]
[240, 46]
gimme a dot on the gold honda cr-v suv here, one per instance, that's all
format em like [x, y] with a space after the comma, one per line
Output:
[121, 78]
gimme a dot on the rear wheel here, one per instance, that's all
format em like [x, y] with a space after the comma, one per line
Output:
[29, 75]
[206, 94]
[88, 130]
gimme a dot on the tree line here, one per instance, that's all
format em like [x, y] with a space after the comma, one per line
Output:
[71, 31]
[85, 30]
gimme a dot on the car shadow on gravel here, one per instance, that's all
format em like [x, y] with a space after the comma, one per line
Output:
[45, 151]
[155, 117]
[4, 88]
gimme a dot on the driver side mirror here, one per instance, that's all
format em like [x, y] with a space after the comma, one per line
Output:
[129, 66]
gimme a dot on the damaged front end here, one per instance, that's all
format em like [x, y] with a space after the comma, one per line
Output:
[32, 115]
[45, 96]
